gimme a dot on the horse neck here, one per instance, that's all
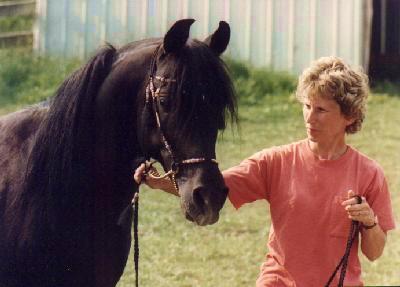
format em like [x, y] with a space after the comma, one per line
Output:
[118, 111]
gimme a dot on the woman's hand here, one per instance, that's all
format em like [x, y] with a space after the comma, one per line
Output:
[373, 239]
[152, 181]
[361, 212]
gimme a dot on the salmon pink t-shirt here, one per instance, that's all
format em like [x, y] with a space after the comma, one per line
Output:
[309, 227]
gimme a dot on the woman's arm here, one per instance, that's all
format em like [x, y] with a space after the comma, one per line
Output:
[373, 238]
[373, 242]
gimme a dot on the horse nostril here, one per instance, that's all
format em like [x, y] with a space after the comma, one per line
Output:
[189, 217]
[198, 198]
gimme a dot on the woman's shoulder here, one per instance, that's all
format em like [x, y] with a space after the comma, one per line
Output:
[281, 151]
[365, 162]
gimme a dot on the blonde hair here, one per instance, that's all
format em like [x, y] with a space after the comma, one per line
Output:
[332, 78]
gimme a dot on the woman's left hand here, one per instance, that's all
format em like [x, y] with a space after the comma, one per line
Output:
[361, 212]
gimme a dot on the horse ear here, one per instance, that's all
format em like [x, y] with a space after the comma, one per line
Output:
[220, 39]
[177, 35]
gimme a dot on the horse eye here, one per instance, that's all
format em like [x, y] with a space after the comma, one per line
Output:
[163, 101]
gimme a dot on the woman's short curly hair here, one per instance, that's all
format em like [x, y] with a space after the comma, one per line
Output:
[331, 77]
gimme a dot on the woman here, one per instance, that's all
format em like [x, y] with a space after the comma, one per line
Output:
[311, 185]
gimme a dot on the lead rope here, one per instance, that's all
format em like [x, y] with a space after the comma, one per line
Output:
[135, 206]
[135, 202]
[355, 227]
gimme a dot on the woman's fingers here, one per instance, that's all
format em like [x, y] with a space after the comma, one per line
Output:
[150, 177]
[139, 173]
[360, 212]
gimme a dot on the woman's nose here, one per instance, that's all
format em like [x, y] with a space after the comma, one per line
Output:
[309, 115]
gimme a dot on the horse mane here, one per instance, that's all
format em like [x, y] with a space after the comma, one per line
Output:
[58, 176]
[204, 93]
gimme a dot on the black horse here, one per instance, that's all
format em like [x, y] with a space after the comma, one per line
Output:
[66, 168]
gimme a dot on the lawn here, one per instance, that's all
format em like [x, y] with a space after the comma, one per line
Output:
[176, 253]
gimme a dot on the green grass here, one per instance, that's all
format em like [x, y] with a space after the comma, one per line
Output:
[176, 253]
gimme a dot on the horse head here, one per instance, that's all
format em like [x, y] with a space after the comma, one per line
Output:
[186, 99]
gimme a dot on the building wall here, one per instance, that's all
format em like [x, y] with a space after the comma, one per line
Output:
[282, 34]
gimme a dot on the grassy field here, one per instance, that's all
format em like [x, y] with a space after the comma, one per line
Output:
[176, 253]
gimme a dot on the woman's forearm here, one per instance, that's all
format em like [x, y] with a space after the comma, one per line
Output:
[373, 242]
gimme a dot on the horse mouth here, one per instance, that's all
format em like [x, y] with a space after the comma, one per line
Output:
[202, 219]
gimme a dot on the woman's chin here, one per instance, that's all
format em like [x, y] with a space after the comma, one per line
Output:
[312, 138]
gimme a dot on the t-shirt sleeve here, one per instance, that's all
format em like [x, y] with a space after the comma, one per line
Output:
[378, 197]
[247, 182]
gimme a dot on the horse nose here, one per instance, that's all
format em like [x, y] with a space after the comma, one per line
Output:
[205, 203]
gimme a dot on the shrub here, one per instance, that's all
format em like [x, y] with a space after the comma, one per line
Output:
[254, 84]
[26, 78]
[16, 23]
[386, 87]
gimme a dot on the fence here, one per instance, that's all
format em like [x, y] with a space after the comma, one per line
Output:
[282, 34]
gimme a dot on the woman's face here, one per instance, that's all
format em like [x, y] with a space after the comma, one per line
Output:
[324, 120]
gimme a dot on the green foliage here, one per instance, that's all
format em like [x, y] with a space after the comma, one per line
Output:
[386, 87]
[254, 84]
[16, 23]
[26, 78]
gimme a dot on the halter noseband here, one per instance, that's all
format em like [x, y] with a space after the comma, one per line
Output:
[153, 95]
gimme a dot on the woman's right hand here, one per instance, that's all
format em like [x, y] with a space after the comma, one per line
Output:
[165, 184]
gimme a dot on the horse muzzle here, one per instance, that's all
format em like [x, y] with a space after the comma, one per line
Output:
[204, 203]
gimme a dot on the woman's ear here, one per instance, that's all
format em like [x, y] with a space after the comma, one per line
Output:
[349, 121]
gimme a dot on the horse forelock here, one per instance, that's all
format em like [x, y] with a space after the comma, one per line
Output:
[203, 92]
